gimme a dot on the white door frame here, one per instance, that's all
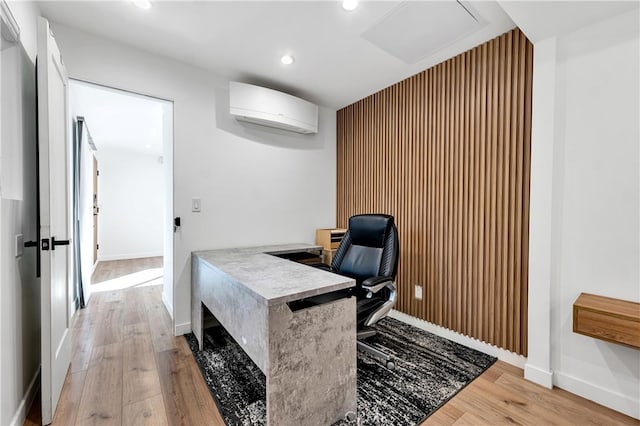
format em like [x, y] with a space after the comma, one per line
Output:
[168, 149]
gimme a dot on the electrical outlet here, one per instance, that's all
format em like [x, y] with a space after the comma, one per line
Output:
[196, 204]
[418, 292]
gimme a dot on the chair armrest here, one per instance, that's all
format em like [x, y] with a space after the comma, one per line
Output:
[375, 284]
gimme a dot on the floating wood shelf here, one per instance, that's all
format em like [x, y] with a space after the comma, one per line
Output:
[605, 318]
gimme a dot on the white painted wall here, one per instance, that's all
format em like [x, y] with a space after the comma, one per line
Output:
[595, 213]
[11, 156]
[257, 185]
[538, 367]
[131, 200]
[19, 287]
[585, 203]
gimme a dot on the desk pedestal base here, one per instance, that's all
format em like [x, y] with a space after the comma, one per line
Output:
[312, 364]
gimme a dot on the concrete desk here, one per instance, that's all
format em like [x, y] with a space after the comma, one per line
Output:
[308, 355]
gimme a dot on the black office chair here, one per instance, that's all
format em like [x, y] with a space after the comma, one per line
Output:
[369, 254]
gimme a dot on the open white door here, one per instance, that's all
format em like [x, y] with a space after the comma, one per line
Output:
[54, 219]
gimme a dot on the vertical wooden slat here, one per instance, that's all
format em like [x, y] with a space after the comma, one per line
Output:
[502, 183]
[517, 200]
[431, 302]
[448, 234]
[483, 192]
[491, 302]
[465, 179]
[461, 201]
[456, 204]
[438, 221]
[513, 110]
[528, 80]
[447, 152]
[472, 252]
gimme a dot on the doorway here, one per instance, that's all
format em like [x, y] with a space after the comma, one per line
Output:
[125, 195]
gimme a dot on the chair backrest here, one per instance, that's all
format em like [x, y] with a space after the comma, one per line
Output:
[370, 248]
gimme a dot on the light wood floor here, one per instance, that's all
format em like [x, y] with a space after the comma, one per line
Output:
[111, 269]
[128, 369]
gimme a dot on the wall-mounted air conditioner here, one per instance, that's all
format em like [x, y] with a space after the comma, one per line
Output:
[267, 107]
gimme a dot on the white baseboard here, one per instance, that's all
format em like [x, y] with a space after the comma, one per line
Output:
[167, 304]
[180, 329]
[614, 400]
[25, 404]
[125, 256]
[502, 354]
[183, 328]
[87, 298]
[87, 289]
[538, 376]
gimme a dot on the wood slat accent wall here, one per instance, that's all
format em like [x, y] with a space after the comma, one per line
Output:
[447, 152]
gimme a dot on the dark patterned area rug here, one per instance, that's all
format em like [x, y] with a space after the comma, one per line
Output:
[429, 371]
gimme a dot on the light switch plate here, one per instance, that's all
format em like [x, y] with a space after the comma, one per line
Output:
[19, 245]
[196, 204]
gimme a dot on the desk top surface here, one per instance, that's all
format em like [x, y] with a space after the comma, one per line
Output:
[273, 279]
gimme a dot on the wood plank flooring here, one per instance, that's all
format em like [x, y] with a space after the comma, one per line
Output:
[128, 369]
[138, 372]
[111, 269]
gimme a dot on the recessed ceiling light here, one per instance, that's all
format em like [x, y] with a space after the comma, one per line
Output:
[142, 4]
[287, 59]
[349, 4]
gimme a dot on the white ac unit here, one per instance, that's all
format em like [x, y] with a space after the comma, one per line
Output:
[267, 107]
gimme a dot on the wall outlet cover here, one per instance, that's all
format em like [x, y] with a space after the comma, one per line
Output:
[418, 292]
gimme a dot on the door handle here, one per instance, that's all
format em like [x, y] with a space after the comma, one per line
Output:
[55, 243]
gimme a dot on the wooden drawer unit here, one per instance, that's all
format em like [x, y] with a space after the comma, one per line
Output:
[329, 238]
[327, 256]
[605, 318]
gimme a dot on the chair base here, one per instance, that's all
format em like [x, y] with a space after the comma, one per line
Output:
[365, 334]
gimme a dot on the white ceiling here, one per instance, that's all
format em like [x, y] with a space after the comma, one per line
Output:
[543, 19]
[119, 120]
[334, 65]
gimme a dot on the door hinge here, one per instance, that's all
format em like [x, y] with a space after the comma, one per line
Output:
[97, 246]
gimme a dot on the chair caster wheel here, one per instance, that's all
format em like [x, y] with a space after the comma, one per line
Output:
[351, 416]
[391, 365]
